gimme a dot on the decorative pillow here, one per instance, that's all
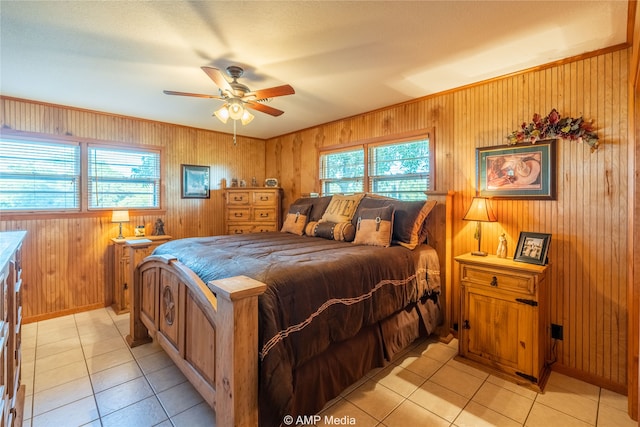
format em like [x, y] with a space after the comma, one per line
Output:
[408, 222]
[319, 205]
[343, 231]
[375, 226]
[296, 219]
[341, 208]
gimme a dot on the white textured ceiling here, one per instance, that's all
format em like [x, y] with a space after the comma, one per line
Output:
[342, 58]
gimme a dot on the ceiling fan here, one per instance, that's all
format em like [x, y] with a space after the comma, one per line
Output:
[237, 96]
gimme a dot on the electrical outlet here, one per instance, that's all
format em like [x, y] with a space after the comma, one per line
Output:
[556, 332]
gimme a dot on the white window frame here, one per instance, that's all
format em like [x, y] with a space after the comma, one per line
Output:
[366, 147]
[83, 188]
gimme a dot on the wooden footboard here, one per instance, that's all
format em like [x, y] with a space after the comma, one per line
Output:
[210, 334]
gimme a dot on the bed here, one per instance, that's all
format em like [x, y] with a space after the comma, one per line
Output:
[272, 324]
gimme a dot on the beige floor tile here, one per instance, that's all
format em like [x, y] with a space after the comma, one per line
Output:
[146, 350]
[122, 395]
[439, 400]
[55, 361]
[574, 385]
[436, 350]
[154, 362]
[460, 366]
[411, 414]
[458, 381]
[109, 360]
[61, 395]
[476, 415]
[166, 378]
[54, 335]
[402, 381]
[613, 400]
[199, 415]
[78, 413]
[504, 402]
[179, 398]
[421, 365]
[544, 416]
[147, 412]
[56, 377]
[98, 333]
[375, 399]
[522, 391]
[103, 346]
[346, 410]
[612, 417]
[46, 350]
[114, 376]
[575, 405]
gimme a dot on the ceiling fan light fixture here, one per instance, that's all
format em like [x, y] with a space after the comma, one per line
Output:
[222, 114]
[236, 110]
[246, 117]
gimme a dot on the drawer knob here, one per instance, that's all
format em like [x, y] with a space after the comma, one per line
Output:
[264, 215]
[264, 198]
[237, 215]
[494, 281]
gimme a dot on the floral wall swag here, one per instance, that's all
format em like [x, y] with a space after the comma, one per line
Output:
[552, 126]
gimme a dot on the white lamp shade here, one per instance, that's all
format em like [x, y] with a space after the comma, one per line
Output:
[120, 216]
[222, 114]
[236, 110]
[246, 117]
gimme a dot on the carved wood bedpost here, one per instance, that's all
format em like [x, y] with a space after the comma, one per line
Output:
[237, 370]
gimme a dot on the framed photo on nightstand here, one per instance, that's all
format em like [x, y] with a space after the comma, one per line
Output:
[532, 248]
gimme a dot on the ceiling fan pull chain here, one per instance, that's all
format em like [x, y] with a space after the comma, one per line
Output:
[234, 132]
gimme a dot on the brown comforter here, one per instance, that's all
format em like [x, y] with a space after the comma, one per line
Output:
[319, 292]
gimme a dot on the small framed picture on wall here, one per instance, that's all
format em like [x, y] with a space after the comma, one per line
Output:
[195, 182]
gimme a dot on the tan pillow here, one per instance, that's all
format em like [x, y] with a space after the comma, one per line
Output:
[343, 231]
[341, 208]
[296, 219]
[375, 226]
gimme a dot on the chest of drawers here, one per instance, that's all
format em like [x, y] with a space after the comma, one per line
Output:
[252, 210]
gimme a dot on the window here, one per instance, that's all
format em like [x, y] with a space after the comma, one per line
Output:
[39, 175]
[400, 169]
[121, 178]
[75, 176]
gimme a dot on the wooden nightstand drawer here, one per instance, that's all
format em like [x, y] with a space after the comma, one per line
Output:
[495, 279]
[264, 198]
[240, 229]
[238, 198]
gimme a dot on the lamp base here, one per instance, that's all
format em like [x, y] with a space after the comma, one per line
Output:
[479, 253]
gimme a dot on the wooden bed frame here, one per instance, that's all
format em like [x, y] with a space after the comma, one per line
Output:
[212, 337]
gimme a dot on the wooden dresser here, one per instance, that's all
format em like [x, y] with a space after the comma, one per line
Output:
[127, 253]
[253, 210]
[12, 392]
[503, 326]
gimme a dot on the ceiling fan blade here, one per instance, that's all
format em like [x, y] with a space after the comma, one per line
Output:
[272, 92]
[197, 95]
[264, 108]
[218, 78]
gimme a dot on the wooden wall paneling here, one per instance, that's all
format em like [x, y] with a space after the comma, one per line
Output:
[588, 276]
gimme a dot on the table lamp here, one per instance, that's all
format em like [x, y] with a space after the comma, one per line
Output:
[479, 211]
[120, 217]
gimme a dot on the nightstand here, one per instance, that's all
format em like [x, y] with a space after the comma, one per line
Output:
[128, 252]
[503, 326]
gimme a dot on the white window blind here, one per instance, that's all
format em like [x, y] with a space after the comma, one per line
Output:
[342, 172]
[39, 175]
[120, 178]
[400, 170]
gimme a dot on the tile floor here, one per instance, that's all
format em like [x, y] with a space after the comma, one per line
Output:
[79, 371]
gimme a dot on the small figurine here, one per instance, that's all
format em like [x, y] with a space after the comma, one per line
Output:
[158, 230]
[502, 247]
